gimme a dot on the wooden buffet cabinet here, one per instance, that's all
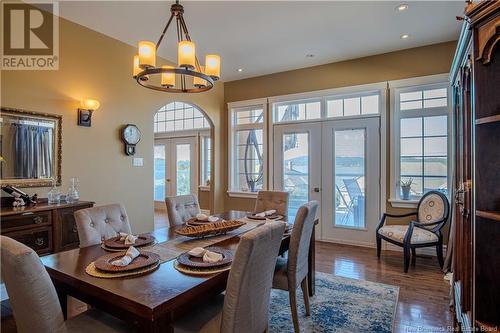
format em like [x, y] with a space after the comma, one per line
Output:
[45, 228]
[475, 79]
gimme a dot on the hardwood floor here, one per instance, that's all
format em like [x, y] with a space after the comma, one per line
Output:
[423, 295]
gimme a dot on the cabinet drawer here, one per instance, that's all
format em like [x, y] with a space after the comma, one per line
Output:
[26, 220]
[39, 239]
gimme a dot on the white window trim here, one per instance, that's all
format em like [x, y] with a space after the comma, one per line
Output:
[324, 95]
[394, 88]
[203, 159]
[240, 104]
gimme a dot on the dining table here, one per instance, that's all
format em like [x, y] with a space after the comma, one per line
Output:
[150, 302]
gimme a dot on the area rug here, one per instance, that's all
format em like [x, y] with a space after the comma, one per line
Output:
[339, 305]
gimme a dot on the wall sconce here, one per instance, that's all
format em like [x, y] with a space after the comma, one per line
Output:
[85, 112]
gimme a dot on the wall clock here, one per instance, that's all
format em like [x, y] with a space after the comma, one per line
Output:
[130, 136]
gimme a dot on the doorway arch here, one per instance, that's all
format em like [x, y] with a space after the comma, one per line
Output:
[183, 154]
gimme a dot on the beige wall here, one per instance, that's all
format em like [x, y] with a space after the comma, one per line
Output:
[97, 66]
[427, 60]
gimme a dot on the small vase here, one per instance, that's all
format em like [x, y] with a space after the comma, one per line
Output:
[54, 195]
[406, 192]
[73, 194]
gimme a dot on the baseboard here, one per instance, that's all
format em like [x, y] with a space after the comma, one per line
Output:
[426, 251]
[348, 242]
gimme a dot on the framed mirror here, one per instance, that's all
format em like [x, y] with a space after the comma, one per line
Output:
[30, 148]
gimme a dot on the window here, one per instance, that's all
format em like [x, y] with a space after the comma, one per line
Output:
[297, 110]
[206, 151]
[178, 116]
[353, 106]
[420, 141]
[247, 151]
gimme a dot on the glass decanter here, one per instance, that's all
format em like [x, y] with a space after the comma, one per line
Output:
[54, 195]
[73, 194]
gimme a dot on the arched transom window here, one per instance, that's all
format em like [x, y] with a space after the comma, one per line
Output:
[179, 116]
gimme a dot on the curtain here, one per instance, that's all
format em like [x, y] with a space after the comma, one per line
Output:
[33, 151]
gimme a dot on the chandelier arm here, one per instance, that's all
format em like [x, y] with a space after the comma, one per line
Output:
[164, 31]
[179, 31]
[184, 28]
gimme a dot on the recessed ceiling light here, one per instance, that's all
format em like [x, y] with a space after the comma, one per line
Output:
[240, 70]
[309, 55]
[405, 36]
[402, 7]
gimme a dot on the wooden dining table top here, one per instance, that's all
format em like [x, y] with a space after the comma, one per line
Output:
[146, 296]
[149, 302]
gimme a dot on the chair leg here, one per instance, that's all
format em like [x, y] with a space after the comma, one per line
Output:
[413, 255]
[439, 253]
[406, 250]
[293, 306]
[379, 245]
[305, 292]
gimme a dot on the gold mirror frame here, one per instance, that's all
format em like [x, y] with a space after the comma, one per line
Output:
[57, 155]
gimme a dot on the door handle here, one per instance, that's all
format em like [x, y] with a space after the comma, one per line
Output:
[168, 180]
[316, 189]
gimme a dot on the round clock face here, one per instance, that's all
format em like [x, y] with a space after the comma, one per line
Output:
[131, 134]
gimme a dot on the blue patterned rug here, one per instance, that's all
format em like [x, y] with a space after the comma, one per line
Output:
[339, 305]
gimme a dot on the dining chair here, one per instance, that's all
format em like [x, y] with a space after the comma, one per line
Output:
[291, 272]
[182, 208]
[101, 222]
[267, 200]
[432, 214]
[33, 297]
[245, 306]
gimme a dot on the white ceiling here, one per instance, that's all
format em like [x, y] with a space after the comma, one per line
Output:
[264, 37]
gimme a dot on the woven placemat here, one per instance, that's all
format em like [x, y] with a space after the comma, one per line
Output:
[92, 271]
[199, 271]
[143, 247]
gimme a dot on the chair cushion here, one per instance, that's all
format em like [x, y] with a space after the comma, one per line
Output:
[431, 209]
[204, 318]
[398, 232]
[280, 279]
[96, 321]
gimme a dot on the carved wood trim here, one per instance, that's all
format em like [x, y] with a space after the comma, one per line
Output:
[488, 36]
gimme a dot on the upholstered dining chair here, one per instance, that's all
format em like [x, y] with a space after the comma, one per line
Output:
[432, 214]
[33, 297]
[101, 222]
[182, 208]
[291, 272]
[245, 306]
[267, 200]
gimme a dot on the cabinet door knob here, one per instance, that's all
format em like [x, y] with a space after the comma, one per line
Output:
[39, 241]
[38, 219]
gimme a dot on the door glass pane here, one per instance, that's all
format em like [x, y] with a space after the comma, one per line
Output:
[349, 199]
[183, 172]
[159, 173]
[296, 170]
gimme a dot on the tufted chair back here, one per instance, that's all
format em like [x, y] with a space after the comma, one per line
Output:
[32, 295]
[102, 222]
[299, 243]
[246, 303]
[433, 207]
[182, 208]
[267, 200]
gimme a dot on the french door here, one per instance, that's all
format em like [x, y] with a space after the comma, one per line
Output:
[297, 163]
[176, 167]
[351, 180]
[338, 164]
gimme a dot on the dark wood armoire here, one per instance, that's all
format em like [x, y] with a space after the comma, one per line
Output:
[475, 79]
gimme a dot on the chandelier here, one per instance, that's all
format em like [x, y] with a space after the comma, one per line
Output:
[189, 76]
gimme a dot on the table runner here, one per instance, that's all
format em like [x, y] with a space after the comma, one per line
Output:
[171, 249]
